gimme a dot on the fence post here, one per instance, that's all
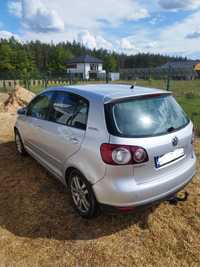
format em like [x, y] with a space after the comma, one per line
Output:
[107, 76]
[168, 78]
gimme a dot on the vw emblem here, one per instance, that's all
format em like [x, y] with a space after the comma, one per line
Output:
[175, 141]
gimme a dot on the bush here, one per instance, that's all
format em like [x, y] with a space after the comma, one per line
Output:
[189, 95]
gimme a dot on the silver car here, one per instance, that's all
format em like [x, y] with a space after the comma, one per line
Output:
[116, 147]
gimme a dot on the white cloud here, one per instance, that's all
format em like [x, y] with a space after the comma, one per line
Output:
[179, 4]
[74, 20]
[131, 45]
[193, 35]
[151, 45]
[103, 43]
[87, 39]
[8, 35]
[38, 17]
[93, 42]
[171, 39]
[15, 8]
[90, 13]
[46, 16]
[84, 37]
[126, 45]
[85, 21]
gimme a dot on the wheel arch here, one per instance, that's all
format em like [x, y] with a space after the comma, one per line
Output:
[69, 170]
[16, 129]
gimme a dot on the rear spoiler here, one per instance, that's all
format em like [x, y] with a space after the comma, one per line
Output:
[143, 96]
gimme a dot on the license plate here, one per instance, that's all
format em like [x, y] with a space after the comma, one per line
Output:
[169, 157]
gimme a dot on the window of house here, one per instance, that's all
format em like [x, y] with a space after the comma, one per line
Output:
[93, 67]
[71, 66]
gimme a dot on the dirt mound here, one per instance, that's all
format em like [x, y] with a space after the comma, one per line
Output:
[20, 97]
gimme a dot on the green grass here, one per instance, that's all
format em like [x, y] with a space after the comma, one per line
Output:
[192, 108]
[36, 89]
[178, 87]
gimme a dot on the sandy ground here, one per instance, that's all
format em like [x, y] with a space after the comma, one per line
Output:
[3, 97]
[38, 226]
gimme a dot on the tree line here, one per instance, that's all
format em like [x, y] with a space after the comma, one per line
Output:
[37, 60]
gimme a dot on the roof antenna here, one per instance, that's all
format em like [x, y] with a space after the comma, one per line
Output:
[133, 86]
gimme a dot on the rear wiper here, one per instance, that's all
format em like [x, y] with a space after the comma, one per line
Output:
[171, 129]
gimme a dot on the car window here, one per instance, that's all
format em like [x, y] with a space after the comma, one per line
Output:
[39, 107]
[70, 110]
[146, 116]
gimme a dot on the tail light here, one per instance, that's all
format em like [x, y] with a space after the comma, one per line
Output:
[193, 136]
[123, 154]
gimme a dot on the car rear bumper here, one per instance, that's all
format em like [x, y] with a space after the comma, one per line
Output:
[114, 209]
[126, 193]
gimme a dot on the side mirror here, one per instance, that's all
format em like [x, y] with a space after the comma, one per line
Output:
[21, 111]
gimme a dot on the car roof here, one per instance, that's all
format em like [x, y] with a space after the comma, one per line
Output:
[108, 92]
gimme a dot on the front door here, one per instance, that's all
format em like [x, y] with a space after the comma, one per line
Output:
[61, 136]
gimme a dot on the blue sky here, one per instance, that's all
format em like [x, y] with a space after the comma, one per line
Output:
[128, 26]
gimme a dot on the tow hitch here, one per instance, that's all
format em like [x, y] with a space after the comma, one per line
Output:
[179, 197]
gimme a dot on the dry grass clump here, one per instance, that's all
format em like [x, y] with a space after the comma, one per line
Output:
[38, 226]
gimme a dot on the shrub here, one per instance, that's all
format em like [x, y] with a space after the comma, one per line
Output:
[189, 95]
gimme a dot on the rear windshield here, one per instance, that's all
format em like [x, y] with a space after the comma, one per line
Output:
[145, 116]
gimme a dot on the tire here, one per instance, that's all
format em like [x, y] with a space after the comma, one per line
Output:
[19, 144]
[82, 195]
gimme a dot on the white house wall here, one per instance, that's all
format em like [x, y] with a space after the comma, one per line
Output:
[100, 68]
[87, 70]
[84, 68]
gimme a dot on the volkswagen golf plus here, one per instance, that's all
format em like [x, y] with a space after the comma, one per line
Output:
[116, 147]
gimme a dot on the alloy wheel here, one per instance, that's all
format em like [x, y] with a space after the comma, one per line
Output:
[80, 194]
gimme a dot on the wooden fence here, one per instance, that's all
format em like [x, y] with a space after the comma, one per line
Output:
[10, 84]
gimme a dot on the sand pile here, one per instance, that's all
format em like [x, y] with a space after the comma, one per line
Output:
[20, 97]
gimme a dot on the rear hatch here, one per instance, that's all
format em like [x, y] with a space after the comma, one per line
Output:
[157, 124]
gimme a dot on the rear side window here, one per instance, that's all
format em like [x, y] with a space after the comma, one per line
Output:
[70, 110]
[145, 116]
[39, 107]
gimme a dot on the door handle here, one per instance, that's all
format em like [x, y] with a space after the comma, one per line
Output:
[74, 140]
